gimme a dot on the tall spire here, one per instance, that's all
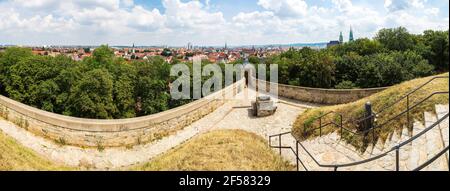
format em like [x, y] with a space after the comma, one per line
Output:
[351, 39]
[341, 38]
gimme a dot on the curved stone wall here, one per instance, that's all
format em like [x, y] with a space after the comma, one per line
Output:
[320, 96]
[112, 133]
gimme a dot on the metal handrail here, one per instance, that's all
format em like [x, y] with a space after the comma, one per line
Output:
[375, 114]
[364, 132]
[395, 148]
[298, 160]
[432, 159]
[413, 91]
[373, 130]
[406, 96]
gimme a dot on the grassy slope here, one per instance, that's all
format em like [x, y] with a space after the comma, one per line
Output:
[355, 110]
[14, 156]
[220, 150]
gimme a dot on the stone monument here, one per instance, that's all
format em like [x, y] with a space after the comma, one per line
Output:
[263, 106]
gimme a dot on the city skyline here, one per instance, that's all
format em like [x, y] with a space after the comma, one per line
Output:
[209, 22]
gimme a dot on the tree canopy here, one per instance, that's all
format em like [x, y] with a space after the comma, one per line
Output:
[101, 87]
[393, 56]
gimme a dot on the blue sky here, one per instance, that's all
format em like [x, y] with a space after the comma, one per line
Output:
[209, 22]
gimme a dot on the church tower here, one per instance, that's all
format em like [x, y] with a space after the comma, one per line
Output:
[350, 38]
[341, 38]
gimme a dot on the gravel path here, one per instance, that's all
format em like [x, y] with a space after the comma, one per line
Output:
[232, 115]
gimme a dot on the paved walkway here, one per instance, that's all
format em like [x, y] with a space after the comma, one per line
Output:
[232, 115]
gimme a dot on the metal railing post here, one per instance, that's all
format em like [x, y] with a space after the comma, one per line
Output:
[304, 130]
[296, 150]
[407, 112]
[342, 126]
[397, 158]
[369, 116]
[279, 142]
[320, 127]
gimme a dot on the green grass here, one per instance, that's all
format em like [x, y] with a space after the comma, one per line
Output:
[15, 157]
[380, 100]
[222, 150]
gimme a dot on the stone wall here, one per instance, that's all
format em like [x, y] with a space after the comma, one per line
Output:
[317, 95]
[112, 133]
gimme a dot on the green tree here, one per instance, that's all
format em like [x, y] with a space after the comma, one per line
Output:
[254, 60]
[438, 54]
[166, 52]
[32, 82]
[348, 67]
[92, 96]
[102, 55]
[362, 47]
[151, 88]
[123, 90]
[395, 39]
[10, 57]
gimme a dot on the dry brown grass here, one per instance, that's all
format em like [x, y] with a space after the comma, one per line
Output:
[223, 150]
[218, 151]
[15, 157]
[380, 100]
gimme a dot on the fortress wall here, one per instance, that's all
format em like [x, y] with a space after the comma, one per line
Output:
[112, 133]
[317, 95]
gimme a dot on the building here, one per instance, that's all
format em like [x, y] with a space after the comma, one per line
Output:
[341, 38]
[333, 43]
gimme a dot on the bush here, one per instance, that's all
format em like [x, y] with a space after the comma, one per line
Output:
[345, 85]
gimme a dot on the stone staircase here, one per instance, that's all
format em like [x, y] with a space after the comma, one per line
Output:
[330, 149]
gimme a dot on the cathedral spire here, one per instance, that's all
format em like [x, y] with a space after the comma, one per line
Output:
[351, 39]
[341, 38]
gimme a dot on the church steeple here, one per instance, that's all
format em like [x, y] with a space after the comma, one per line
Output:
[350, 38]
[341, 38]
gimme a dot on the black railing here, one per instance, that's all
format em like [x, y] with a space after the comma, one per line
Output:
[365, 132]
[280, 147]
[406, 96]
[395, 149]
[373, 116]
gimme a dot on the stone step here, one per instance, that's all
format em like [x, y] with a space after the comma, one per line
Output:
[326, 151]
[346, 149]
[378, 148]
[368, 152]
[441, 111]
[418, 153]
[434, 144]
[405, 151]
[388, 162]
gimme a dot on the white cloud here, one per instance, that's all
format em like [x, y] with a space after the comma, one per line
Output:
[432, 11]
[128, 3]
[198, 21]
[288, 8]
[191, 15]
[343, 5]
[399, 5]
